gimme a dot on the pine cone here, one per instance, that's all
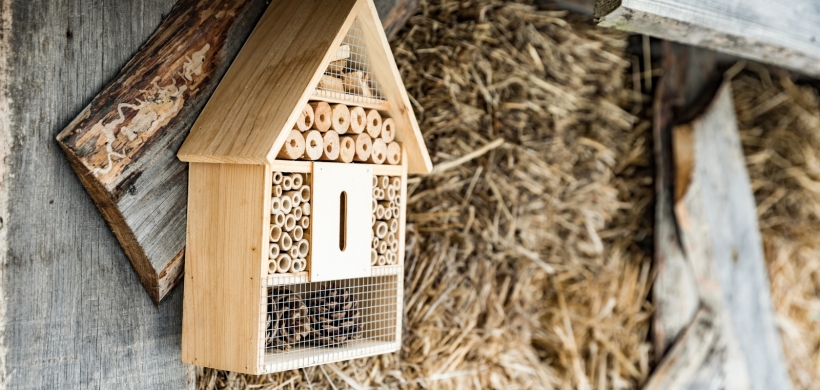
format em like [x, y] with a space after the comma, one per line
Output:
[334, 316]
[288, 319]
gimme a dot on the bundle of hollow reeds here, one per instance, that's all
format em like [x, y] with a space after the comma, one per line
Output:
[289, 223]
[528, 250]
[385, 218]
[337, 132]
[779, 125]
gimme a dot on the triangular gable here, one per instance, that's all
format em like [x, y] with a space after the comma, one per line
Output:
[280, 68]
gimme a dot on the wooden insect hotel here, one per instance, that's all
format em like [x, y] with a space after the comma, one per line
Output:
[297, 193]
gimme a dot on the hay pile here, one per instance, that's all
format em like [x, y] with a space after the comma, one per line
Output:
[528, 261]
[780, 132]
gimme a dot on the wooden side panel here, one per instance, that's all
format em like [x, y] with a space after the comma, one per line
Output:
[270, 76]
[385, 70]
[226, 247]
[328, 260]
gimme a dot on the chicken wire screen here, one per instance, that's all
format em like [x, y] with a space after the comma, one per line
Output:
[349, 76]
[312, 323]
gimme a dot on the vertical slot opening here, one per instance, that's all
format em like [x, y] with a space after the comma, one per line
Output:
[343, 221]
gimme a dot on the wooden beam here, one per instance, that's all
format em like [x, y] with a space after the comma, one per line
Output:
[714, 325]
[782, 34]
[123, 144]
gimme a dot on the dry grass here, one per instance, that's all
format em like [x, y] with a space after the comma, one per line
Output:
[780, 131]
[528, 263]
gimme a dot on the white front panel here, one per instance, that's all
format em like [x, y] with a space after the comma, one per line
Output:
[341, 224]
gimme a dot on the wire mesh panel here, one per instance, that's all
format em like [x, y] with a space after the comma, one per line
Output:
[313, 323]
[349, 76]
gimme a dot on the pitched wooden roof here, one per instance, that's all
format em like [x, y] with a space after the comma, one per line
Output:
[275, 74]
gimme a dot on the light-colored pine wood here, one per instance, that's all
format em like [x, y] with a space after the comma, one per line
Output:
[246, 115]
[340, 119]
[314, 145]
[294, 146]
[364, 146]
[785, 34]
[381, 105]
[393, 153]
[331, 147]
[358, 119]
[291, 166]
[227, 253]
[387, 170]
[327, 260]
[379, 153]
[388, 132]
[305, 120]
[347, 149]
[384, 69]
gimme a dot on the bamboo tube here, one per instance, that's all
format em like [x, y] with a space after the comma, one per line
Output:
[396, 211]
[294, 251]
[305, 120]
[304, 222]
[303, 247]
[394, 247]
[297, 212]
[379, 194]
[275, 233]
[294, 146]
[379, 212]
[375, 204]
[298, 265]
[374, 123]
[306, 209]
[374, 242]
[388, 133]
[391, 193]
[295, 197]
[285, 242]
[272, 266]
[386, 205]
[277, 177]
[304, 193]
[380, 230]
[290, 223]
[273, 251]
[374, 257]
[382, 248]
[388, 213]
[393, 225]
[275, 205]
[347, 149]
[395, 181]
[392, 258]
[364, 145]
[375, 192]
[373, 220]
[340, 118]
[332, 84]
[277, 190]
[378, 153]
[296, 181]
[384, 181]
[391, 238]
[283, 263]
[278, 219]
[393, 153]
[330, 146]
[314, 145]
[321, 116]
[376, 180]
[298, 233]
[287, 183]
[358, 120]
[382, 260]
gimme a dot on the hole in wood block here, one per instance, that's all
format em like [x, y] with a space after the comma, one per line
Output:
[343, 221]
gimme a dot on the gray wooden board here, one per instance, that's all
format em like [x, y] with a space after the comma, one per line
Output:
[782, 33]
[76, 315]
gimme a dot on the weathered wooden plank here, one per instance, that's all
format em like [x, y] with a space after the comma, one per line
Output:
[123, 144]
[710, 259]
[75, 315]
[783, 34]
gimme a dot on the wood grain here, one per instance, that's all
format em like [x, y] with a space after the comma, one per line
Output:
[786, 35]
[75, 315]
[227, 256]
[122, 144]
